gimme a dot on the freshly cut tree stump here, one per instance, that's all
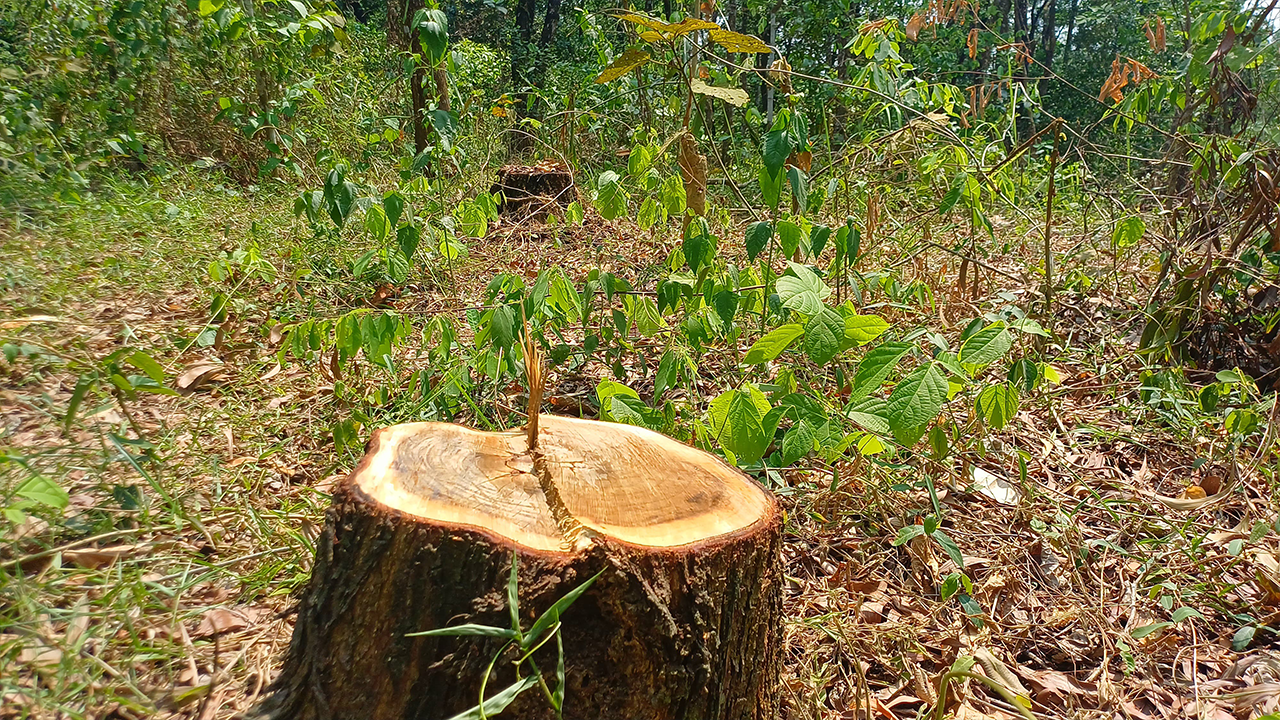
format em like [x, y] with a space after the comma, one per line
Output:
[683, 624]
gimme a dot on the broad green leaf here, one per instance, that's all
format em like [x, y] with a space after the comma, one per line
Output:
[875, 368]
[771, 345]
[907, 534]
[918, 399]
[797, 443]
[573, 213]
[726, 306]
[737, 423]
[863, 329]
[823, 335]
[732, 95]
[376, 223]
[41, 489]
[433, 33]
[1029, 326]
[996, 405]
[393, 206]
[818, 237]
[1185, 612]
[623, 64]
[738, 43]
[771, 187]
[953, 550]
[777, 148]
[673, 197]
[802, 290]
[789, 237]
[758, 236]
[699, 246]
[986, 346]
[799, 187]
[649, 215]
[667, 375]
[1128, 232]
[611, 199]
[148, 365]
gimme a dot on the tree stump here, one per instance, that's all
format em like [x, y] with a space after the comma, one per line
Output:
[683, 624]
[534, 191]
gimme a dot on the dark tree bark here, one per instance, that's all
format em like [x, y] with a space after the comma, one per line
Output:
[1048, 31]
[399, 14]
[550, 24]
[1071, 31]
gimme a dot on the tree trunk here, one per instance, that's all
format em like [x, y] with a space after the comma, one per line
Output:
[1049, 31]
[550, 24]
[1071, 31]
[683, 621]
[399, 14]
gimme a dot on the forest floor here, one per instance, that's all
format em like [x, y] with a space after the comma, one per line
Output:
[166, 588]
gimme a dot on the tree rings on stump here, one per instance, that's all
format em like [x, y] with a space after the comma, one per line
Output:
[683, 623]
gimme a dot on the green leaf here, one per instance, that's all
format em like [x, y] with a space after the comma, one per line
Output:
[393, 206]
[499, 702]
[986, 346]
[823, 335]
[863, 329]
[573, 213]
[771, 345]
[611, 199]
[789, 237]
[1185, 612]
[726, 305]
[737, 422]
[949, 545]
[802, 290]
[468, 630]
[148, 365]
[649, 214]
[433, 33]
[623, 64]
[771, 187]
[553, 613]
[502, 326]
[41, 489]
[875, 368]
[667, 375]
[375, 221]
[83, 383]
[777, 148]
[1140, 632]
[918, 399]
[1128, 232]
[799, 187]
[996, 405]
[797, 443]
[758, 236]
[907, 534]
[699, 247]
[818, 237]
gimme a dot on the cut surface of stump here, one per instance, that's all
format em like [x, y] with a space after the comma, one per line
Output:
[534, 190]
[683, 623]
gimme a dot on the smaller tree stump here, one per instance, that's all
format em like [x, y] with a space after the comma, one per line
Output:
[534, 191]
[683, 623]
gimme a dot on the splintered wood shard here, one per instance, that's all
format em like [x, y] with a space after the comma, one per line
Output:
[684, 622]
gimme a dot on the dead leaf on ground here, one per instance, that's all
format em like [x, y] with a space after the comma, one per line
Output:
[98, 558]
[224, 620]
[199, 375]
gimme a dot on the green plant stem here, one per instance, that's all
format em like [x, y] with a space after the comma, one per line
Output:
[1009, 697]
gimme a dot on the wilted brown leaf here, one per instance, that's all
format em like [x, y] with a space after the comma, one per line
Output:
[198, 375]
